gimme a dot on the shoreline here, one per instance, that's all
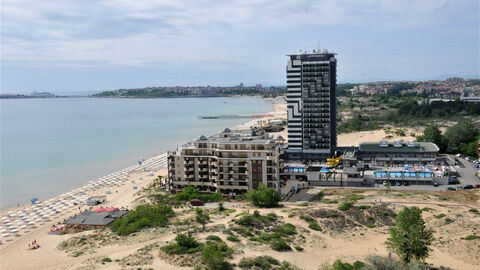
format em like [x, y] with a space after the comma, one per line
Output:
[28, 220]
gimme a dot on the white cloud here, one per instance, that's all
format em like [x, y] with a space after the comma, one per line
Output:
[177, 33]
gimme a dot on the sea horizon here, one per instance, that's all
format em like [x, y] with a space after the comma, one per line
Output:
[51, 146]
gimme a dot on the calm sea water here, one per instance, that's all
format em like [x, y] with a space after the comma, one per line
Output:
[50, 146]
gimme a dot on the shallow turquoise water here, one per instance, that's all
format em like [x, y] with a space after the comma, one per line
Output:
[49, 146]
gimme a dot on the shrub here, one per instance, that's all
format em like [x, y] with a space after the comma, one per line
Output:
[233, 238]
[329, 201]
[201, 217]
[264, 197]
[299, 248]
[142, 216]
[106, 259]
[184, 244]
[314, 226]
[371, 225]
[345, 206]
[214, 238]
[472, 237]
[439, 215]
[261, 262]
[280, 245]
[256, 220]
[213, 255]
[307, 218]
[375, 262]
[286, 229]
[426, 209]
[475, 211]
[363, 207]
[190, 193]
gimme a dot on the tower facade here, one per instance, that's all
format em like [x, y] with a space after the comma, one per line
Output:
[311, 103]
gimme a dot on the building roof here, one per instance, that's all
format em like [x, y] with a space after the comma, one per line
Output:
[95, 218]
[417, 147]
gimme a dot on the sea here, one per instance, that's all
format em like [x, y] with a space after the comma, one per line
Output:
[50, 146]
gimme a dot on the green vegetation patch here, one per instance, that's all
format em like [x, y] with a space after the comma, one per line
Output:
[345, 206]
[307, 218]
[439, 215]
[189, 193]
[264, 197]
[314, 226]
[184, 244]
[472, 237]
[141, 217]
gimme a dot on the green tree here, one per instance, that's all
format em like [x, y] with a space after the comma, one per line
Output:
[433, 134]
[388, 187]
[201, 217]
[462, 133]
[409, 238]
[264, 197]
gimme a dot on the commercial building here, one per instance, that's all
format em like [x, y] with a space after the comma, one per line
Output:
[397, 153]
[311, 103]
[231, 162]
[470, 99]
[88, 220]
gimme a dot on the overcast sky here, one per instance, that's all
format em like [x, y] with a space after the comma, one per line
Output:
[88, 45]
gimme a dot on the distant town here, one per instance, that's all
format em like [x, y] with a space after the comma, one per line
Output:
[438, 90]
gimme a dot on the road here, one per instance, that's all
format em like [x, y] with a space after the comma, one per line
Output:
[467, 174]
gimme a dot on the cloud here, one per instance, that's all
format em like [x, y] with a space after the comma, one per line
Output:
[215, 34]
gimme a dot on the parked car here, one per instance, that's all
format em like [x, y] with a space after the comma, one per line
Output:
[452, 180]
[468, 187]
[398, 183]
[451, 188]
[476, 186]
[477, 165]
[384, 182]
[435, 184]
[405, 183]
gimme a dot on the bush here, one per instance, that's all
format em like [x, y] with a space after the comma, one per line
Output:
[189, 193]
[213, 256]
[286, 229]
[261, 262]
[472, 237]
[439, 216]
[314, 226]
[279, 245]
[299, 248]
[233, 238]
[106, 259]
[363, 207]
[256, 220]
[141, 217]
[475, 211]
[185, 244]
[375, 262]
[264, 197]
[307, 218]
[345, 206]
[214, 238]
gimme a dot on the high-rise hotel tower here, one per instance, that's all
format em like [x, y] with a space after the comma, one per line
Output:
[311, 102]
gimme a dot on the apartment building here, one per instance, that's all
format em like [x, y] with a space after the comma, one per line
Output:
[231, 162]
[311, 104]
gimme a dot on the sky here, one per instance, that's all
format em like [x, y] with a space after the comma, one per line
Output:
[71, 46]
